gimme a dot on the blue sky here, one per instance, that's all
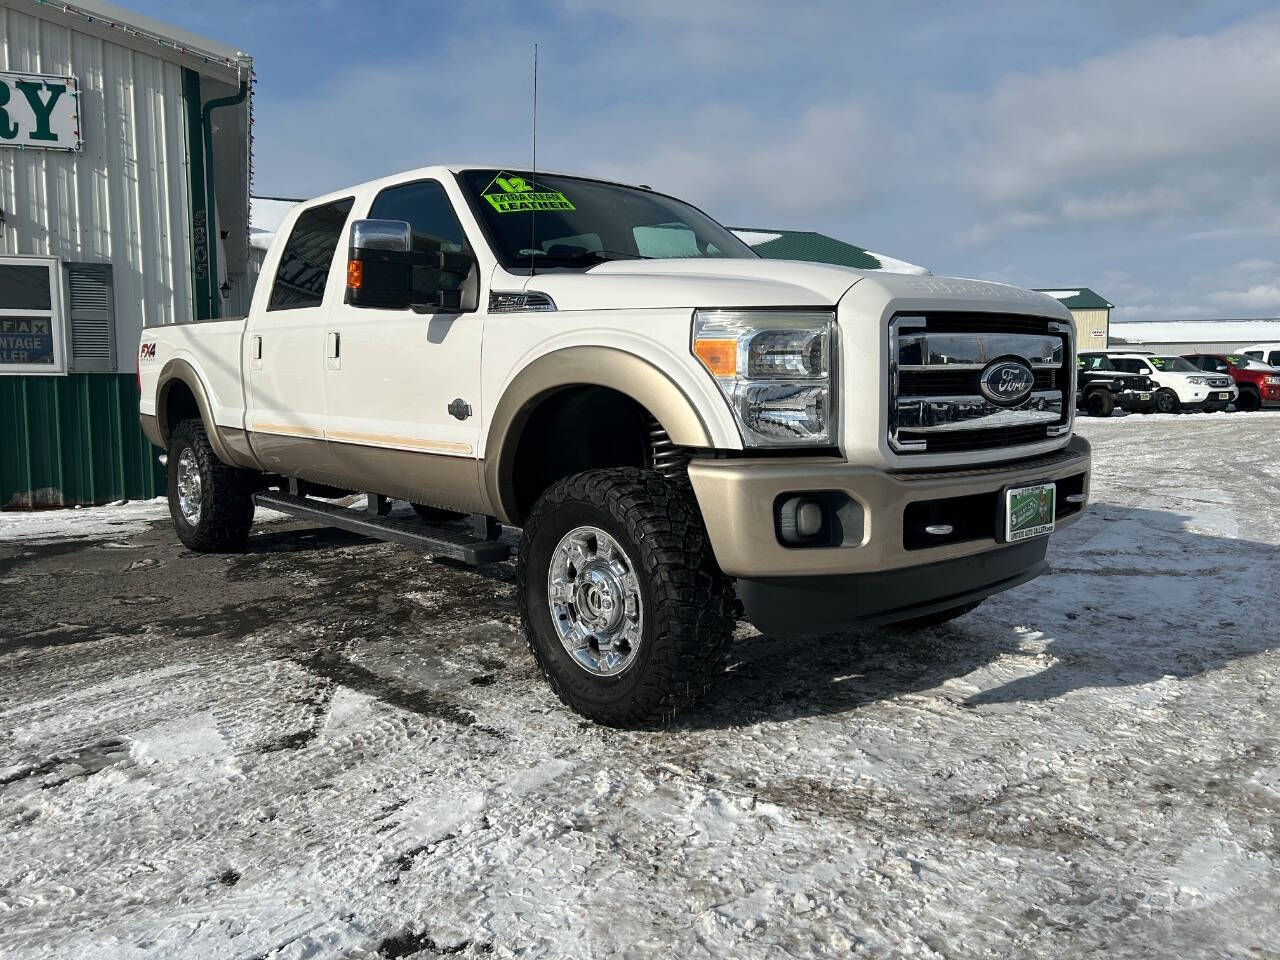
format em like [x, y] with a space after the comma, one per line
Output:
[1131, 147]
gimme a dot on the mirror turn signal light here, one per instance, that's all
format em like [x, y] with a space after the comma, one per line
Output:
[355, 273]
[718, 356]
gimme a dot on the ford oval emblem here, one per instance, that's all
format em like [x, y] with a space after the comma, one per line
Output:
[1007, 381]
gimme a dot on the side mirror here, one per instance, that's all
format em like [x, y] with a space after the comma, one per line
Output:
[383, 269]
[379, 272]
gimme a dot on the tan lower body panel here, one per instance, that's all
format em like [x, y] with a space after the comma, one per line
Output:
[454, 483]
[737, 501]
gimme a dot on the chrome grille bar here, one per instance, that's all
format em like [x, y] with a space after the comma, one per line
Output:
[935, 367]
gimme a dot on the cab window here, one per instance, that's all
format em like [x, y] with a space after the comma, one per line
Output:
[1130, 365]
[434, 226]
[304, 265]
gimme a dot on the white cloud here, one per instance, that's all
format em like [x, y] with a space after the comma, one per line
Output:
[1173, 125]
[1260, 296]
[1255, 265]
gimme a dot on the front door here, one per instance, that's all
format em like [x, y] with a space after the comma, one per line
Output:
[284, 347]
[402, 387]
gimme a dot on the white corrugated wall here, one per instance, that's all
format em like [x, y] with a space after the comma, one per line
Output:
[123, 198]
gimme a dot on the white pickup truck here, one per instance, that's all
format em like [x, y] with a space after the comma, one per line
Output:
[685, 432]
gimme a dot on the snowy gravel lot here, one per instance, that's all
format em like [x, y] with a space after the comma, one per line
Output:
[333, 747]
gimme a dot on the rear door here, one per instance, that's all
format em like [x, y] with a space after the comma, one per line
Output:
[408, 381]
[284, 359]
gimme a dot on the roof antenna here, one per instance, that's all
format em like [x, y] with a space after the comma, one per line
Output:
[533, 173]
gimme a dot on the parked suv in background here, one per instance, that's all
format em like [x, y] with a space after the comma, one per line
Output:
[1100, 388]
[1179, 385]
[1266, 352]
[1258, 382]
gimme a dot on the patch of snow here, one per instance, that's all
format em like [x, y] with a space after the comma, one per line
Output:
[753, 238]
[894, 265]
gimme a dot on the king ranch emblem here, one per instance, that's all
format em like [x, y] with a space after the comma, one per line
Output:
[1007, 381]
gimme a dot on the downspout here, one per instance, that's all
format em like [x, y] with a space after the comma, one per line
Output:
[215, 295]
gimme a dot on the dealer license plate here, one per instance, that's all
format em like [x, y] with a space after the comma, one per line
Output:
[1144, 396]
[1224, 395]
[1029, 511]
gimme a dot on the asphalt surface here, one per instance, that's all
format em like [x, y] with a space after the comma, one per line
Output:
[327, 746]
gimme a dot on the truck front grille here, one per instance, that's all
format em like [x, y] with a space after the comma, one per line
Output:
[946, 373]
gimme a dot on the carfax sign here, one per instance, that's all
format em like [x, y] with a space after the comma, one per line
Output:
[39, 112]
[26, 340]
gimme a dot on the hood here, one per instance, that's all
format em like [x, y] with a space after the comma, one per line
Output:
[710, 282]
[705, 282]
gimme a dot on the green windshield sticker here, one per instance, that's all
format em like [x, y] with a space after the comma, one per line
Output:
[508, 194]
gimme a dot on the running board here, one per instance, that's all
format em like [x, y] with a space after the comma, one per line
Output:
[409, 533]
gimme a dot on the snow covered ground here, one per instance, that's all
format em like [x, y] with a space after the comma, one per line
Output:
[331, 747]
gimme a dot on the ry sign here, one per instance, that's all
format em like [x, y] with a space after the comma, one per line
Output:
[39, 112]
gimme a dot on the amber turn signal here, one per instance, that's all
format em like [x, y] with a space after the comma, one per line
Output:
[355, 273]
[718, 356]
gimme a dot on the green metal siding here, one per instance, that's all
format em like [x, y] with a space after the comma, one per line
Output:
[74, 440]
[813, 247]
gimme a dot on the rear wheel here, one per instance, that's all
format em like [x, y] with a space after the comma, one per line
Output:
[1099, 403]
[1249, 401]
[1167, 401]
[211, 503]
[625, 610]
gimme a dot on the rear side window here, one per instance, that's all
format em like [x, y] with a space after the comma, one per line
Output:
[1274, 358]
[304, 265]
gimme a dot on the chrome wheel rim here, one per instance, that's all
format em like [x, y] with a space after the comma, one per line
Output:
[593, 593]
[189, 487]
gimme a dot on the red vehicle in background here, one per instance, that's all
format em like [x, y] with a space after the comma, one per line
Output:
[1258, 383]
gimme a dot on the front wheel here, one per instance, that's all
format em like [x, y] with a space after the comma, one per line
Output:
[1167, 402]
[1099, 403]
[625, 610]
[1249, 401]
[211, 503]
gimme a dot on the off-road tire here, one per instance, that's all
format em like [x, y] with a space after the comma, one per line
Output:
[1099, 403]
[433, 516]
[1249, 401]
[226, 494]
[688, 602]
[1167, 401]
[933, 619]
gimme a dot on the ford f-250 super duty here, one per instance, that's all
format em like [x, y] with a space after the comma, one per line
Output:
[683, 430]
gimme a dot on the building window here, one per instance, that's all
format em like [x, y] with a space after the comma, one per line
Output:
[31, 331]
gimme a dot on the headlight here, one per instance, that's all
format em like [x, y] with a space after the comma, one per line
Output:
[1199, 381]
[774, 368]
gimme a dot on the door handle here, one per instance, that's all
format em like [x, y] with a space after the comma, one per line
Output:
[255, 353]
[333, 350]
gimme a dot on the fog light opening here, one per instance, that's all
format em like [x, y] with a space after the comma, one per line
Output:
[801, 520]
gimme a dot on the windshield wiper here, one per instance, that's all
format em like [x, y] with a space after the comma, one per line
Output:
[586, 256]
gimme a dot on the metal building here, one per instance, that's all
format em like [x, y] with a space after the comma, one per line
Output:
[1092, 314]
[125, 167]
[1180, 337]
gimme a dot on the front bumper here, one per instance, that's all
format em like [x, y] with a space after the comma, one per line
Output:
[1136, 402]
[737, 498]
[796, 605]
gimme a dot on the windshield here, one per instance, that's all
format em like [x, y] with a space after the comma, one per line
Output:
[1245, 363]
[561, 221]
[1174, 365]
